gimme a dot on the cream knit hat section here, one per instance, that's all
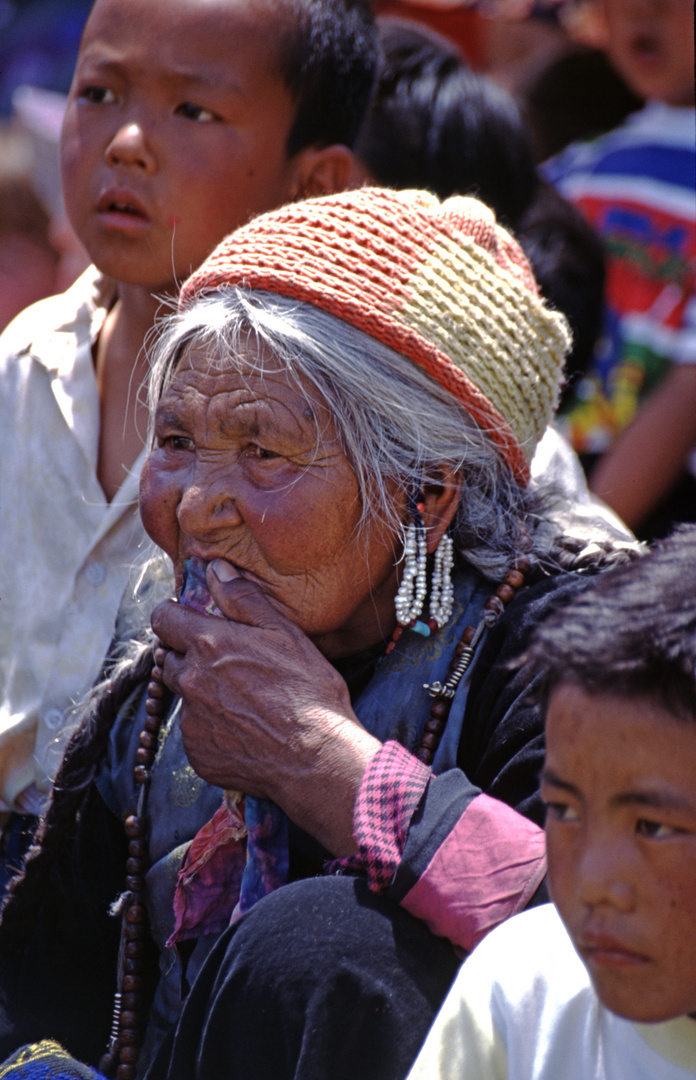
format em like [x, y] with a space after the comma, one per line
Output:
[440, 282]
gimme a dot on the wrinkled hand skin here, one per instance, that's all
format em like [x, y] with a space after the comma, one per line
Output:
[263, 712]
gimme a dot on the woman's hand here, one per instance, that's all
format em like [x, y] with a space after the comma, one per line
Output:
[262, 711]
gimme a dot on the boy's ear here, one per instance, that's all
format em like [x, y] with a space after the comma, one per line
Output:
[323, 170]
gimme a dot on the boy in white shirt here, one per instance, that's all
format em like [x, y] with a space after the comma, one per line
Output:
[601, 985]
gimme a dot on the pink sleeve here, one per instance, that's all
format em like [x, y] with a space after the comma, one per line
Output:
[391, 789]
[487, 869]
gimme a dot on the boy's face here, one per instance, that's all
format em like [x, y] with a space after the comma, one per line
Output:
[651, 44]
[620, 786]
[175, 132]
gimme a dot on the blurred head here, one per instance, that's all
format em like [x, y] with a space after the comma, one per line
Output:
[436, 125]
[619, 671]
[575, 95]
[326, 361]
[651, 44]
[243, 105]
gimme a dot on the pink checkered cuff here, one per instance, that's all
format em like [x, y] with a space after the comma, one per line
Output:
[392, 787]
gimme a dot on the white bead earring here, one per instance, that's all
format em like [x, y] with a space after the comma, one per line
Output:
[441, 587]
[412, 591]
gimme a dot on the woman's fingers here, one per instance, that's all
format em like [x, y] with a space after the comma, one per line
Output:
[241, 600]
[171, 665]
[175, 625]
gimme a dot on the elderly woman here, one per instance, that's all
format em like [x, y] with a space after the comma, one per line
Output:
[320, 785]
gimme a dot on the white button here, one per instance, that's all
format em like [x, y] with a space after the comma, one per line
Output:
[95, 573]
[53, 719]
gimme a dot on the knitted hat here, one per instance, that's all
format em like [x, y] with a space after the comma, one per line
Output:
[440, 282]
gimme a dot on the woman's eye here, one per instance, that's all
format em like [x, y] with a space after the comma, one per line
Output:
[98, 95]
[176, 442]
[195, 112]
[259, 453]
[654, 830]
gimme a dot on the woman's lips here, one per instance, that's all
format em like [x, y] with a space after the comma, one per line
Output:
[228, 571]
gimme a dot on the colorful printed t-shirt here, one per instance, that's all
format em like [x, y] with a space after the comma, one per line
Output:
[637, 187]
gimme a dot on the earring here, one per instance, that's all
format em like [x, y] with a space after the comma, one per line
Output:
[413, 588]
[441, 587]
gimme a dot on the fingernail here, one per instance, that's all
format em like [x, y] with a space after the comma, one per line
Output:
[223, 570]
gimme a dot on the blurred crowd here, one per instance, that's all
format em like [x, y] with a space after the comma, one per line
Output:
[507, 99]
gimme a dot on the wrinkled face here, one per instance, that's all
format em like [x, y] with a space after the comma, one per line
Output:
[248, 468]
[651, 44]
[175, 132]
[620, 785]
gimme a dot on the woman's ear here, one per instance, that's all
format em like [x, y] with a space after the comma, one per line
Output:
[441, 499]
[323, 171]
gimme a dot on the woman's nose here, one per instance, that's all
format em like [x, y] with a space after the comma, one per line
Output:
[604, 875]
[206, 508]
[130, 146]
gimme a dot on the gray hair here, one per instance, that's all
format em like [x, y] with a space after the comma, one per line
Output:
[396, 425]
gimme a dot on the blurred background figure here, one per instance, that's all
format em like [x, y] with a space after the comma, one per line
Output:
[548, 53]
[461, 22]
[37, 114]
[634, 416]
[437, 124]
[28, 260]
[38, 44]
[39, 253]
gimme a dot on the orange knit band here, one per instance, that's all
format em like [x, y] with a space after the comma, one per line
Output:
[441, 283]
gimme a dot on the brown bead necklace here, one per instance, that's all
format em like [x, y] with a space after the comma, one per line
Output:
[128, 1016]
[443, 693]
[128, 1021]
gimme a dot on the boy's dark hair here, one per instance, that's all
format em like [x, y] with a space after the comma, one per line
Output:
[632, 632]
[328, 61]
[435, 124]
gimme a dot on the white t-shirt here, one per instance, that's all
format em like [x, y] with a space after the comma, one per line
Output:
[523, 1008]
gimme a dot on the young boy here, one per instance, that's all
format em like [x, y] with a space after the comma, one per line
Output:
[185, 118]
[636, 409]
[603, 985]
